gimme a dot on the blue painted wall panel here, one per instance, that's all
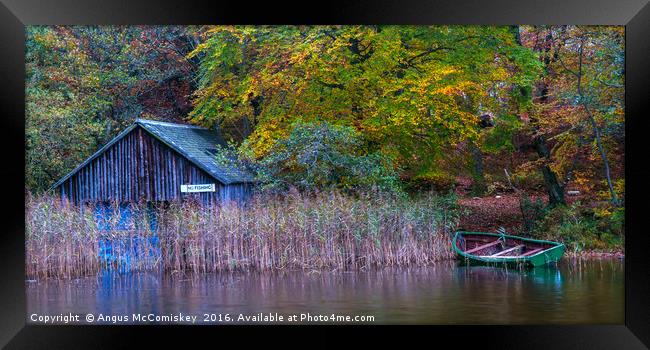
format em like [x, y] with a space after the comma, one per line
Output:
[122, 250]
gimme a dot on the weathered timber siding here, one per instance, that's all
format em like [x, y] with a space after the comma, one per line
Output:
[138, 167]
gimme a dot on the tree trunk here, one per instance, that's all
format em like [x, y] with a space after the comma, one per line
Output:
[478, 185]
[603, 156]
[553, 187]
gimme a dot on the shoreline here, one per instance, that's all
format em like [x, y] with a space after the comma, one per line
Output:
[595, 254]
[568, 257]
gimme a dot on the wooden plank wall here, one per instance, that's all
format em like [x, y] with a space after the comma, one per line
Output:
[139, 167]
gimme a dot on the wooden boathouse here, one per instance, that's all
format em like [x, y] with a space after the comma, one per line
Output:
[153, 162]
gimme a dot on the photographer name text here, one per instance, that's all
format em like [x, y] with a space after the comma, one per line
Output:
[205, 318]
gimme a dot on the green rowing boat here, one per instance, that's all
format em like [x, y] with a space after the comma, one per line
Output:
[494, 248]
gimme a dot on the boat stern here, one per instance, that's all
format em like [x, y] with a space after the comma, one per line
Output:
[548, 256]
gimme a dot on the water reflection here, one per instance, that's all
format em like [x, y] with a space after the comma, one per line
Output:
[574, 292]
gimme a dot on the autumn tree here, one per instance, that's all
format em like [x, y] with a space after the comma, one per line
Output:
[411, 91]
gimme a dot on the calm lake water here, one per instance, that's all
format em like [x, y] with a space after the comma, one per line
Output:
[573, 292]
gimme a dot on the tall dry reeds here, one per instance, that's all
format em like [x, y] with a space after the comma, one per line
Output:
[60, 241]
[321, 231]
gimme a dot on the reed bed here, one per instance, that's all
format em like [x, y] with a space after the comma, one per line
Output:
[319, 231]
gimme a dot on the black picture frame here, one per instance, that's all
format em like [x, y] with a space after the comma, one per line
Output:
[634, 14]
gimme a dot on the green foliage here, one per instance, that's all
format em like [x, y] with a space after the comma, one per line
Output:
[532, 212]
[528, 180]
[315, 156]
[581, 228]
[318, 156]
[438, 182]
[499, 137]
[616, 222]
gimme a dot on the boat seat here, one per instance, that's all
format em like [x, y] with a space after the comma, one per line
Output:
[476, 249]
[508, 250]
[534, 251]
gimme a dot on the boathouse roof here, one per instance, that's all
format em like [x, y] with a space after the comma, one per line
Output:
[197, 144]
